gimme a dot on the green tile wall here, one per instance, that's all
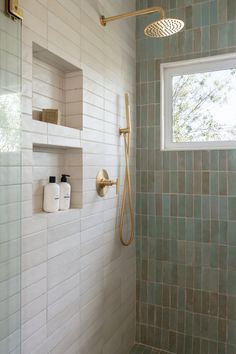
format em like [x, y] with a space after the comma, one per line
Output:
[186, 201]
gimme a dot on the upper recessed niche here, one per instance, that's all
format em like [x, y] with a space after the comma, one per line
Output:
[57, 84]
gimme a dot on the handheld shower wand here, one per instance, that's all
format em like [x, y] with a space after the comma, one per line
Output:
[126, 132]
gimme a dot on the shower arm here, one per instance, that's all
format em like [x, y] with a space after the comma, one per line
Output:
[150, 10]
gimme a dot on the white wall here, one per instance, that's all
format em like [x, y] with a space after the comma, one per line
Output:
[78, 281]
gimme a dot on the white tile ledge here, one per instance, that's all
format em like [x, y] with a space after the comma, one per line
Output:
[55, 135]
[59, 212]
[59, 217]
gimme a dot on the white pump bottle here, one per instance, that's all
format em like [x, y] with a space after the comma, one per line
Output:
[65, 193]
[51, 196]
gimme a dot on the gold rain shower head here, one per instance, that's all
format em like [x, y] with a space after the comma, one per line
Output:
[160, 28]
[164, 27]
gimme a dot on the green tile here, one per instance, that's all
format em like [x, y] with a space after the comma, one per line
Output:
[151, 70]
[143, 71]
[223, 208]
[214, 183]
[205, 39]
[223, 36]
[197, 206]
[157, 89]
[189, 182]
[143, 93]
[231, 332]
[189, 229]
[230, 349]
[231, 282]
[232, 208]
[205, 183]
[214, 207]
[173, 46]
[226, 229]
[181, 205]
[174, 161]
[231, 34]
[231, 10]
[152, 226]
[232, 160]
[188, 17]
[173, 182]
[166, 205]
[197, 16]
[214, 160]
[205, 207]
[205, 160]
[214, 254]
[144, 138]
[189, 160]
[215, 231]
[223, 187]
[232, 258]
[173, 228]
[172, 4]
[189, 206]
[189, 41]
[205, 14]
[181, 161]
[213, 12]
[166, 161]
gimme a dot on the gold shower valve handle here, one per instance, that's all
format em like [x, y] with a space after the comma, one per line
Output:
[103, 182]
[108, 182]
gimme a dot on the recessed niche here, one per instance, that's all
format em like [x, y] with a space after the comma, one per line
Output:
[48, 161]
[57, 84]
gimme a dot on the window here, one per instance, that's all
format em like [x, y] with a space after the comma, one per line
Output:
[198, 99]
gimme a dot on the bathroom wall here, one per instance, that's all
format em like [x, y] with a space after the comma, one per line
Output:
[78, 282]
[186, 214]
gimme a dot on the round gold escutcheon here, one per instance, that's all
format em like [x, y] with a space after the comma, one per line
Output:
[101, 176]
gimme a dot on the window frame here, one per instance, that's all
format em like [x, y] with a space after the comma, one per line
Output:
[184, 67]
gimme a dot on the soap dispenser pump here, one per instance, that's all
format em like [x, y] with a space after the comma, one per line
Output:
[65, 193]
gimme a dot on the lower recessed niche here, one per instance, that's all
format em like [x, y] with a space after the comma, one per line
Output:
[51, 161]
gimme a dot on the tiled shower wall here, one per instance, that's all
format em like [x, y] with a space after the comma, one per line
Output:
[186, 201]
[78, 281]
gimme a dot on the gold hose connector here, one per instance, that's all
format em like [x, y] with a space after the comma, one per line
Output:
[126, 132]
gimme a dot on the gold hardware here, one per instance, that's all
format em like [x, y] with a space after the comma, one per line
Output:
[104, 20]
[103, 182]
[164, 27]
[13, 9]
[160, 28]
[126, 132]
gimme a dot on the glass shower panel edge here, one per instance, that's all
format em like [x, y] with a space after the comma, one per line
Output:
[10, 183]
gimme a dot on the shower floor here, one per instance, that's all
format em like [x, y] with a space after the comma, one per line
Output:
[142, 349]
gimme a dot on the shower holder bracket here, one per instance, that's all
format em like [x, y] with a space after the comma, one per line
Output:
[13, 9]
